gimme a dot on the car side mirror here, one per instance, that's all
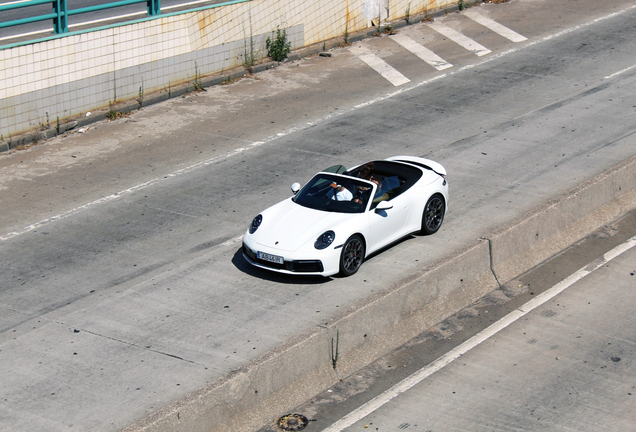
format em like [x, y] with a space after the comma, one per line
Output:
[295, 188]
[383, 205]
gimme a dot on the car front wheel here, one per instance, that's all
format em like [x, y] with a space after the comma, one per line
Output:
[433, 214]
[352, 255]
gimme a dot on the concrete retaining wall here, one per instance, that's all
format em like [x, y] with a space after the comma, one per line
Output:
[62, 77]
[273, 384]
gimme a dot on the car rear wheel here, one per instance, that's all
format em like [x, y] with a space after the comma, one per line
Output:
[352, 255]
[433, 214]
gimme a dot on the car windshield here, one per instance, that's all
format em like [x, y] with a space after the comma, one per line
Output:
[335, 193]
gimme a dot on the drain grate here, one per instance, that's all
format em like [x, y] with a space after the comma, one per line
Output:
[292, 422]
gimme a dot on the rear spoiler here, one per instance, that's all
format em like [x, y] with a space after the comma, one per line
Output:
[421, 162]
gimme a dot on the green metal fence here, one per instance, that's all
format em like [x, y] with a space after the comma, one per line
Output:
[60, 12]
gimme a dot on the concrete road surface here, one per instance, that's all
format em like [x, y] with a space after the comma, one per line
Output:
[122, 287]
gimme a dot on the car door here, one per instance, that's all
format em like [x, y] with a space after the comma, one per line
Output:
[386, 226]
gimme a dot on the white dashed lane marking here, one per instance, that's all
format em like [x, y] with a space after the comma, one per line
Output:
[428, 56]
[495, 26]
[422, 52]
[380, 66]
[460, 39]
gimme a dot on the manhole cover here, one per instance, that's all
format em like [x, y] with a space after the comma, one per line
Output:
[292, 422]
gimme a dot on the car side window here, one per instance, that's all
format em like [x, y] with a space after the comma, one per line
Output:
[388, 188]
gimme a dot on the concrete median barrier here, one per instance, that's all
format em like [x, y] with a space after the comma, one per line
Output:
[552, 227]
[254, 393]
[393, 317]
[271, 385]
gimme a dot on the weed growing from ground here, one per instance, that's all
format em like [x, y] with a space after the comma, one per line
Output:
[112, 114]
[229, 80]
[279, 47]
[140, 96]
[198, 85]
[249, 56]
[378, 30]
[36, 136]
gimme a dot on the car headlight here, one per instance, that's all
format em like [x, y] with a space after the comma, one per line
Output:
[256, 222]
[325, 240]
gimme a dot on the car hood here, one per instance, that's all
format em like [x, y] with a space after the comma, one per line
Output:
[288, 226]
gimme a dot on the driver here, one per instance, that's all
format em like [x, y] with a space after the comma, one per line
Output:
[339, 193]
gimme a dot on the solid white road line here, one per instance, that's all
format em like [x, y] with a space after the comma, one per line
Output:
[422, 52]
[480, 337]
[620, 72]
[232, 241]
[139, 187]
[15, 2]
[495, 26]
[24, 34]
[460, 39]
[380, 66]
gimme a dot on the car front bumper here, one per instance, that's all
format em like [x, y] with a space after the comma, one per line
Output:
[320, 263]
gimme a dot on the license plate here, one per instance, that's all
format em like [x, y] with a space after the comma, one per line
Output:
[271, 258]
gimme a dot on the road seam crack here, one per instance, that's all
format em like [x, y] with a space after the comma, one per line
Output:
[135, 345]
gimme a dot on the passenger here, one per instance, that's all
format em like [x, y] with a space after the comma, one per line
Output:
[387, 189]
[366, 173]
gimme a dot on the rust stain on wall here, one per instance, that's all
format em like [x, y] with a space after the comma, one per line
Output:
[202, 25]
[206, 19]
[426, 6]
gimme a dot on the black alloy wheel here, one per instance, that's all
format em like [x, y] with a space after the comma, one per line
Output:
[352, 255]
[433, 214]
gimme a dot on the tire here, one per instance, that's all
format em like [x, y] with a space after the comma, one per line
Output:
[433, 214]
[352, 255]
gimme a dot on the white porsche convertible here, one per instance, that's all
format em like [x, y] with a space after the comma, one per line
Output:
[341, 216]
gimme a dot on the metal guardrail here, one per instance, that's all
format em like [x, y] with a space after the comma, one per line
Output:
[61, 12]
